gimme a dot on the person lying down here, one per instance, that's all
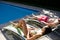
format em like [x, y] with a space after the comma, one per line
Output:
[33, 33]
[46, 20]
[29, 32]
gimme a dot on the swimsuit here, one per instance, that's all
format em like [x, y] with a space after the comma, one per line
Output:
[43, 18]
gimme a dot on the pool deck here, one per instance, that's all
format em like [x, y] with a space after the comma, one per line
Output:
[34, 8]
[2, 36]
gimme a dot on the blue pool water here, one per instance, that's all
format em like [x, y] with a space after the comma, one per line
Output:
[10, 12]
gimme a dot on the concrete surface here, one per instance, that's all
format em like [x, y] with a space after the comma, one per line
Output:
[2, 36]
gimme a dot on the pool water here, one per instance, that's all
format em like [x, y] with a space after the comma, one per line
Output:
[10, 12]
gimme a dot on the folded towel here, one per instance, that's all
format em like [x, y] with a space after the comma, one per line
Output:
[16, 30]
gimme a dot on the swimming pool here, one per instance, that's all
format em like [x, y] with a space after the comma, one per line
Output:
[9, 12]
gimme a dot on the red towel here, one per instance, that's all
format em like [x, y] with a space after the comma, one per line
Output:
[43, 18]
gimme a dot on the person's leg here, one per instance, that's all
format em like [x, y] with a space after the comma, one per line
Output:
[22, 25]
